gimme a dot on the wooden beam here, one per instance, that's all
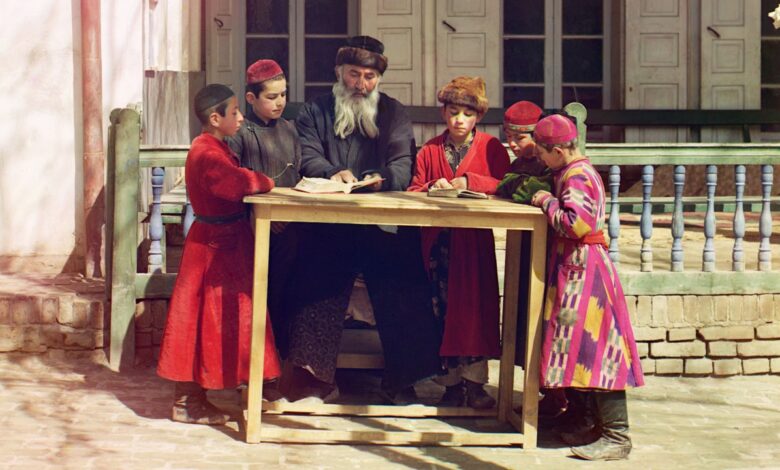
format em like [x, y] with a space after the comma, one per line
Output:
[699, 283]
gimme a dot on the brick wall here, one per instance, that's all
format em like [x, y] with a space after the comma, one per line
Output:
[60, 325]
[150, 316]
[707, 335]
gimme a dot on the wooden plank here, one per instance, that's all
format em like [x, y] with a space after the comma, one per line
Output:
[533, 346]
[699, 283]
[509, 322]
[420, 438]
[684, 154]
[127, 128]
[259, 311]
[347, 360]
[411, 411]
[163, 155]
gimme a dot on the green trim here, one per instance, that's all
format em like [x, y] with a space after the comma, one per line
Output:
[700, 283]
[167, 156]
[684, 154]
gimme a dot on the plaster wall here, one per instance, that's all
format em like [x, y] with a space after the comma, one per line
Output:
[41, 185]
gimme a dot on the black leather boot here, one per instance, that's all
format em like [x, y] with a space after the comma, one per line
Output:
[477, 397]
[191, 406]
[612, 415]
[454, 396]
[581, 427]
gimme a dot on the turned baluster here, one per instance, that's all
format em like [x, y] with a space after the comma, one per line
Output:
[765, 223]
[708, 256]
[678, 222]
[646, 222]
[613, 225]
[738, 255]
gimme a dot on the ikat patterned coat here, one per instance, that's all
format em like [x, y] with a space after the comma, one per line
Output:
[588, 340]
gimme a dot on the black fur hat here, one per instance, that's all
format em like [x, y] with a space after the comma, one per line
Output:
[363, 51]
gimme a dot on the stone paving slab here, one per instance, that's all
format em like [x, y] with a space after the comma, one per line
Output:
[79, 414]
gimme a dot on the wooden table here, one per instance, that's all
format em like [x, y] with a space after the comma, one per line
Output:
[413, 209]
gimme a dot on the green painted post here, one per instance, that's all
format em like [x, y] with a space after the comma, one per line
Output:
[127, 138]
[578, 110]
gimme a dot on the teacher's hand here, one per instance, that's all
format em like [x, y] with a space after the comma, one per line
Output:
[345, 176]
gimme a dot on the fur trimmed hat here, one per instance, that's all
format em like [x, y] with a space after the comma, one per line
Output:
[363, 51]
[555, 129]
[465, 91]
[522, 116]
[262, 70]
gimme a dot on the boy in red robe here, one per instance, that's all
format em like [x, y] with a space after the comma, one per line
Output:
[462, 261]
[206, 342]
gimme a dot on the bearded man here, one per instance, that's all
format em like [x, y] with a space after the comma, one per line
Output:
[358, 132]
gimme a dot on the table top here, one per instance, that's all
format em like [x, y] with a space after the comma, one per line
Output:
[394, 207]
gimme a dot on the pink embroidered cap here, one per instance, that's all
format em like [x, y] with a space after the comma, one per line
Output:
[522, 116]
[555, 129]
[262, 70]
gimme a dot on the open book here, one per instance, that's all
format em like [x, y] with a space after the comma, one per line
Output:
[453, 192]
[324, 185]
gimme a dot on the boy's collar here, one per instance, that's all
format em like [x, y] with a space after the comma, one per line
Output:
[250, 115]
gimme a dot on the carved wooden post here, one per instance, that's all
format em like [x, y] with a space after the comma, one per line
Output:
[614, 214]
[737, 255]
[646, 222]
[155, 257]
[765, 223]
[708, 256]
[127, 131]
[678, 221]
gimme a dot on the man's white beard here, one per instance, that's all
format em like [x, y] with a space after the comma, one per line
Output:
[355, 112]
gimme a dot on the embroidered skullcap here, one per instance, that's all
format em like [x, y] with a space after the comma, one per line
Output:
[555, 129]
[262, 70]
[210, 96]
[465, 91]
[522, 116]
[363, 51]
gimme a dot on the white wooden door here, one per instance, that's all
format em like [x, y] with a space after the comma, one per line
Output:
[225, 24]
[398, 24]
[730, 60]
[468, 42]
[656, 63]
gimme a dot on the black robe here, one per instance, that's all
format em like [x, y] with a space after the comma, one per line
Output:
[331, 256]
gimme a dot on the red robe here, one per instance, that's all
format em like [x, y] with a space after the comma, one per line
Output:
[471, 322]
[208, 332]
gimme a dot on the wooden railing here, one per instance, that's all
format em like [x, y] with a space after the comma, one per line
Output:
[127, 158]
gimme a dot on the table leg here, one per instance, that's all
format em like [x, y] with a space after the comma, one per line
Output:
[259, 309]
[534, 328]
[509, 323]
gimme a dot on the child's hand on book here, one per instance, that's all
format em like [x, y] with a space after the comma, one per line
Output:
[459, 183]
[442, 183]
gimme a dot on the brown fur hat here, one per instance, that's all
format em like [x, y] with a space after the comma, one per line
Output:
[363, 51]
[465, 91]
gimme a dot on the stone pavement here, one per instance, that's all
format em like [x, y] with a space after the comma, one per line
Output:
[79, 414]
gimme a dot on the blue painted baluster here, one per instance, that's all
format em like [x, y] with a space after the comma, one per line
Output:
[614, 214]
[678, 221]
[646, 222]
[708, 257]
[155, 258]
[738, 255]
[765, 224]
[189, 215]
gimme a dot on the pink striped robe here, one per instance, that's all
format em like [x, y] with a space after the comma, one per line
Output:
[588, 340]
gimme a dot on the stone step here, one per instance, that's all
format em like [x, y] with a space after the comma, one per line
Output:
[53, 314]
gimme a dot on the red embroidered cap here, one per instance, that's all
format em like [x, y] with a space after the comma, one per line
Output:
[555, 129]
[522, 116]
[262, 70]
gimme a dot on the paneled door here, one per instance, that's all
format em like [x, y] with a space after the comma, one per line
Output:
[225, 26]
[656, 63]
[468, 42]
[730, 60]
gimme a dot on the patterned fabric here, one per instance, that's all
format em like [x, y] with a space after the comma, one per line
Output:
[588, 339]
[456, 153]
